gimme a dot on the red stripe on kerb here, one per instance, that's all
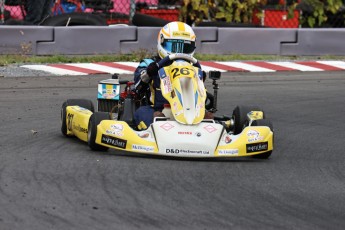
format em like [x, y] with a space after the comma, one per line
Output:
[318, 65]
[117, 65]
[77, 69]
[222, 67]
[269, 66]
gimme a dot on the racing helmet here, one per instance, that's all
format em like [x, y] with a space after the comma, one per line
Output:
[176, 37]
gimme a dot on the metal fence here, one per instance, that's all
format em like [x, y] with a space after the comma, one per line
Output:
[107, 12]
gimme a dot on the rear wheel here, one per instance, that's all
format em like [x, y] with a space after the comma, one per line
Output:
[240, 116]
[263, 122]
[87, 104]
[95, 119]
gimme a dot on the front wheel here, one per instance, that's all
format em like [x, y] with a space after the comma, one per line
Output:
[263, 122]
[95, 119]
[86, 104]
[240, 116]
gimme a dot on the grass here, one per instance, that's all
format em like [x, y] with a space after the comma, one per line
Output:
[27, 59]
[31, 59]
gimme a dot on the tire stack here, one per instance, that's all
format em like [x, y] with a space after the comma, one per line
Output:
[75, 19]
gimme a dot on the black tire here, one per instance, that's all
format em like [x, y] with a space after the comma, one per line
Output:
[95, 119]
[75, 19]
[87, 104]
[63, 119]
[14, 22]
[263, 122]
[209, 103]
[227, 24]
[240, 116]
[147, 20]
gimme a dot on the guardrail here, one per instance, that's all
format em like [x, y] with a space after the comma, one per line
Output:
[89, 40]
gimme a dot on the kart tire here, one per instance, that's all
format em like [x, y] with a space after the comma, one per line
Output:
[14, 22]
[95, 119]
[263, 122]
[75, 19]
[87, 104]
[148, 20]
[240, 116]
[209, 103]
[227, 24]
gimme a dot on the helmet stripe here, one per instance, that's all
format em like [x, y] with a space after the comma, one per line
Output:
[181, 26]
[165, 33]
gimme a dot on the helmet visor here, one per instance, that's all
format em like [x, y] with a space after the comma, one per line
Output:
[178, 46]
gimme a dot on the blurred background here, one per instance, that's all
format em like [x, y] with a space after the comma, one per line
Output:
[220, 13]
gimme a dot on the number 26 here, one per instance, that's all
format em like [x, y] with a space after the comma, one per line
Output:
[177, 72]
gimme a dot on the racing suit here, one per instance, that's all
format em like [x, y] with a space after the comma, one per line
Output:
[143, 116]
[146, 77]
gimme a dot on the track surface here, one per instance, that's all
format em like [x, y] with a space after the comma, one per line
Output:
[48, 181]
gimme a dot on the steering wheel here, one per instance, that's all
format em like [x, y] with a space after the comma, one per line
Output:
[167, 60]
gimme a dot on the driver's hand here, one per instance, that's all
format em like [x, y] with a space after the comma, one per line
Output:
[152, 69]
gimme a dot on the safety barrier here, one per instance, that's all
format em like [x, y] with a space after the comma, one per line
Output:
[89, 40]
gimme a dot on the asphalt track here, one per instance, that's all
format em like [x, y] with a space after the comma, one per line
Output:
[48, 181]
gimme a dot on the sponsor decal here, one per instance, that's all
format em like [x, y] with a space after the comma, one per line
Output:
[115, 129]
[108, 91]
[114, 132]
[175, 105]
[167, 85]
[197, 108]
[254, 135]
[144, 135]
[184, 34]
[69, 121]
[257, 147]
[228, 152]
[184, 133]
[117, 142]
[79, 128]
[167, 126]
[227, 139]
[210, 128]
[108, 95]
[187, 152]
[142, 148]
[198, 134]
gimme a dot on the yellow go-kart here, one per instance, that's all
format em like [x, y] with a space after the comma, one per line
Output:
[183, 132]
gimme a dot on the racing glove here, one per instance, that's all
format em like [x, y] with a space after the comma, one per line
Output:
[152, 69]
[143, 83]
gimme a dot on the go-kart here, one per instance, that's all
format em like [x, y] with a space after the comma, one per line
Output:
[183, 131]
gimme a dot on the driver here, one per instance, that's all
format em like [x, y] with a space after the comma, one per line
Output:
[174, 37]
